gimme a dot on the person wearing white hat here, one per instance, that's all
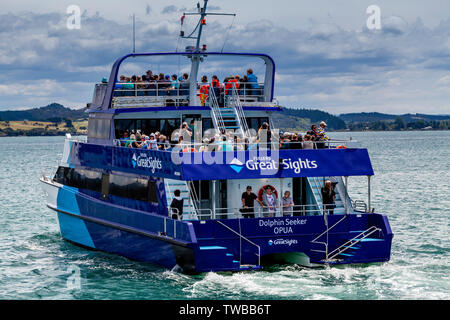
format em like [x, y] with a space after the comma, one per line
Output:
[322, 135]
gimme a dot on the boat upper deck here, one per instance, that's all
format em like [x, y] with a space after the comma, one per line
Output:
[151, 91]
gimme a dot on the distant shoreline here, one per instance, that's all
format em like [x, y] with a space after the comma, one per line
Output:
[74, 133]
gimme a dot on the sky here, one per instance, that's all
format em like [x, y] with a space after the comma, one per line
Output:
[326, 55]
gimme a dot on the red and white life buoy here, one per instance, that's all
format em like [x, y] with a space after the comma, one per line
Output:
[261, 191]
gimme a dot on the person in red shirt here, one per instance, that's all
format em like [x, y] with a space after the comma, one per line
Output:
[204, 90]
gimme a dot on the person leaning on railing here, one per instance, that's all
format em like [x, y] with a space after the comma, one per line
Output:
[248, 203]
[253, 81]
[322, 134]
[269, 203]
[287, 204]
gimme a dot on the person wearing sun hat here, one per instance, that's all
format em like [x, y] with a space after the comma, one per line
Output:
[322, 134]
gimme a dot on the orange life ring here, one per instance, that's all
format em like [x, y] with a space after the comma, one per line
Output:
[261, 191]
[341, 147]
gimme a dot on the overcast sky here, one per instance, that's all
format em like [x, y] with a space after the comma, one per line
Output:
[326, 56]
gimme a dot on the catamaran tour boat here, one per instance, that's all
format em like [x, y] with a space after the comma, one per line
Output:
[118, 199]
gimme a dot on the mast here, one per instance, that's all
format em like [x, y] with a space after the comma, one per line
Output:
[196, 56]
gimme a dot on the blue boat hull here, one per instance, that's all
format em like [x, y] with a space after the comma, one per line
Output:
[213, 245]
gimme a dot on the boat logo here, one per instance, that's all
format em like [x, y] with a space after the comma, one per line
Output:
[287, 242]
[144, 161]
[236, 165]
[133, 160]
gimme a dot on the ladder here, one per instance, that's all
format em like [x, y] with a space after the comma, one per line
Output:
[350, 243]
[229, 118]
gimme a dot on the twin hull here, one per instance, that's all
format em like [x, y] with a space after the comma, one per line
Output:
[214, 245]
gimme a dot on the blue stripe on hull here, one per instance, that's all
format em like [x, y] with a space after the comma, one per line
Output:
[75, 230]
[133, 246]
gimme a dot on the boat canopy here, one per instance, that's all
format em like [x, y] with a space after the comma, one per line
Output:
[103, 98]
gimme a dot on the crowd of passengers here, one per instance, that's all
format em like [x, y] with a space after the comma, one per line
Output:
[150, 84]
[183, 139]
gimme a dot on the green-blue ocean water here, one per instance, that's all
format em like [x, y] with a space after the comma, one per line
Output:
[411, 185]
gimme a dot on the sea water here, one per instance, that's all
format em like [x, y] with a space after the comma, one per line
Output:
[411, 185]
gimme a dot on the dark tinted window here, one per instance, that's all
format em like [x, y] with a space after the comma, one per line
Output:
[152, 192]
[79, 178]
[133, 188]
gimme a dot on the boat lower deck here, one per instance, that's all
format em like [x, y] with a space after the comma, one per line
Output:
[217, 245]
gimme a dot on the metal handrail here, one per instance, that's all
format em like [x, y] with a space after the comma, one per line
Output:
[165, 90]
[240, 116]
[242, 237]
[317, 186]
[197, 145]
[193, 196]
[359, 204]
[302, 211]
[328, 229]
[217, 118]
[351, 242]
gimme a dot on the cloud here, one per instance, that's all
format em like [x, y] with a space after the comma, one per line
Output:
[323, 65]
[169, 9]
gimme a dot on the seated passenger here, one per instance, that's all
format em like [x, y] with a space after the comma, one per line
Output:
[138, 142]
[204, 146]
[238, 145]
[163, 144]
[162, 85]
[307, 143]
[184, 85]
[174, 86]
[224, 145]
[130, 141]
[128, 87]
[232, 82]
[244, 86]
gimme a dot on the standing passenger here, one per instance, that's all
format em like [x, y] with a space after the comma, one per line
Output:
[269, 203]
[328, 196]
[204, 90]
[288, 204]
[177, 205]
[248, 203]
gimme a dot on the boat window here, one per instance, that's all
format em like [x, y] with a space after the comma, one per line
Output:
[169, 125]
[207, 124]
[133, 188]
[98, 128]
[152, 192]
[255, 123]
[79, 178]
[147, 126]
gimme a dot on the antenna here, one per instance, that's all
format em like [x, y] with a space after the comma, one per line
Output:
[201, 22]
[196, 56]
[134, 33]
